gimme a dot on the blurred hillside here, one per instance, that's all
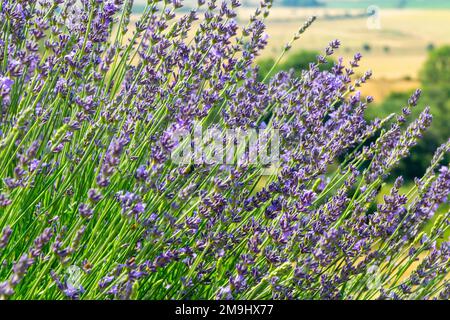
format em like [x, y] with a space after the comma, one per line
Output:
[339, 4]
[387, 3]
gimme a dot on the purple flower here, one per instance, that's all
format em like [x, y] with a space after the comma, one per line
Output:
[5, 236]
[20, 268]
[85, 211]
[141, 173]
[5, 86]
[105, 281]
[94, 195]
[4, 200]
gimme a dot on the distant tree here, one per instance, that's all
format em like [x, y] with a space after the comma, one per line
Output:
[301, 3]
[437, 68]
[402, 3]
[367, 47]
[435, 78]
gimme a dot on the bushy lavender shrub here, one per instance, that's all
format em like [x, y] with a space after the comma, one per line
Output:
[92, 207]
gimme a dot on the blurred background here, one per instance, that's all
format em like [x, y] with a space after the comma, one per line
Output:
[406, 43]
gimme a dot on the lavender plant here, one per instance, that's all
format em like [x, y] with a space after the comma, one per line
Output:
[93, 207]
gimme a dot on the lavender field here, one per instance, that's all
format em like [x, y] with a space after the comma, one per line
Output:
[145, 157]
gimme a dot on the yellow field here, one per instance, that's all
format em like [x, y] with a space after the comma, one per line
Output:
[406, 33]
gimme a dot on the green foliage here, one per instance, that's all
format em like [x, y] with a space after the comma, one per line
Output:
[435, 78]
[436, 71]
